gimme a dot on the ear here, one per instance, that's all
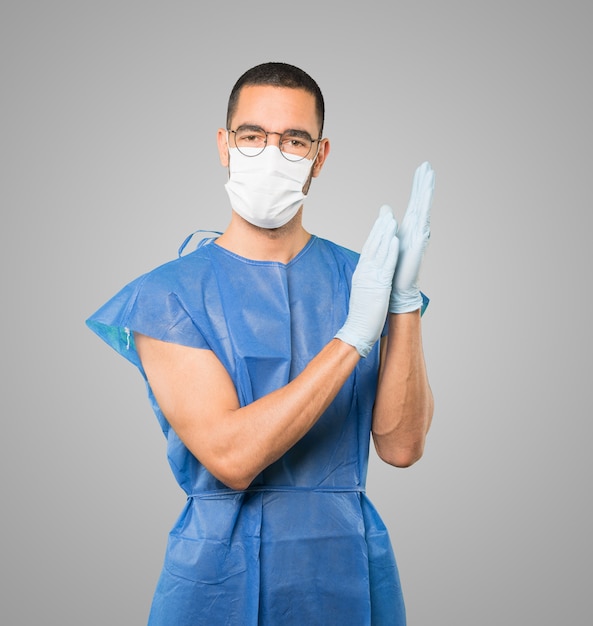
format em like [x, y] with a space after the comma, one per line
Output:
[322, 154]
[223, 147]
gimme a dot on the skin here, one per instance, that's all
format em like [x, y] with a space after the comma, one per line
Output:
[274, 109]
[236, 443]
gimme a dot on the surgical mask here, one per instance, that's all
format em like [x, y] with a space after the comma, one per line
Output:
[267, 189]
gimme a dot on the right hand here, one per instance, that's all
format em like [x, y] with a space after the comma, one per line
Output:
[371, 285]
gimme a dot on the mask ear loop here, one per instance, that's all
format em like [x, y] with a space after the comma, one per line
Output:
[313, 163]
[228, 150]
[316, 153]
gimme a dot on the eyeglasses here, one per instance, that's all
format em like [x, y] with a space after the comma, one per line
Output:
[294, 145]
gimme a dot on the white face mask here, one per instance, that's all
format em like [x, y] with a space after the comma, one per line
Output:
[267, 189]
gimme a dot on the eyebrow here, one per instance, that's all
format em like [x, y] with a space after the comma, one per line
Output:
[253, 127]
[290, 131]
[298, 133]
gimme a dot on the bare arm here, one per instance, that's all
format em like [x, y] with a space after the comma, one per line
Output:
[198, 398]
[404, 403]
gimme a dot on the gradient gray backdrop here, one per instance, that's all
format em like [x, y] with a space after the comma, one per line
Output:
[109, 113]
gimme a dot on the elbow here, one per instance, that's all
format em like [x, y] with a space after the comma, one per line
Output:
[402, 447]
[401, 456]
[232, 474]
[397, 450]
[235, 483]
[233, 479]
[232, 464]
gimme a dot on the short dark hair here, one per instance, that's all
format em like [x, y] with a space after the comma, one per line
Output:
[277, 75]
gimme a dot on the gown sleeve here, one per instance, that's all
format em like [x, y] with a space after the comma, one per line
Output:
[425, 301]
[149, 305]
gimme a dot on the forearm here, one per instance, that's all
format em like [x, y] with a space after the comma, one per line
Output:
[236, 443]
[275, 422]
[404, 403]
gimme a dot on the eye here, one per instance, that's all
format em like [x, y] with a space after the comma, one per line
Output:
[293, 142]
[250, 137]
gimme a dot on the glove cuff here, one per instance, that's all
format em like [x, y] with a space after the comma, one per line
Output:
[362, 347]
[405, 300]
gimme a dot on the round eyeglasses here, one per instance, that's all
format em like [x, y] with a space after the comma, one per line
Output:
[294, 145]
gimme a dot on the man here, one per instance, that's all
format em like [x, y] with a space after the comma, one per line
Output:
[261, 354]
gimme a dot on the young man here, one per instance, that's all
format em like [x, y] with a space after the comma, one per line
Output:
[263, 365]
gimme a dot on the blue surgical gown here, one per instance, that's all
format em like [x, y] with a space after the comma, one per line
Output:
[303, 545]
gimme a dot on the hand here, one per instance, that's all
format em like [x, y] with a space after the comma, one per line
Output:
[371, 285]
[413, 236]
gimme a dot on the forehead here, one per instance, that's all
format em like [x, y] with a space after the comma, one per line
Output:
[276, 108]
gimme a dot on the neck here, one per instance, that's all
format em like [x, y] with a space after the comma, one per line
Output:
[265, 244]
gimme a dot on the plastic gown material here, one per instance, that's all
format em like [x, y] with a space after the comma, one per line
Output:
[302, 545]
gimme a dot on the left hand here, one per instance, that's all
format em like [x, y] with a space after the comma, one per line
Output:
[413, 235]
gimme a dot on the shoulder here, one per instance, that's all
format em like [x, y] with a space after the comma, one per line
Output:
[341, 255]
[178, 273]
[155, 287]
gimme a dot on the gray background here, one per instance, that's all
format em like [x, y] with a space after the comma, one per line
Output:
[109, 116]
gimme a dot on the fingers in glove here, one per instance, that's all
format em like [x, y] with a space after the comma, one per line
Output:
[416, 220]
[381, 234]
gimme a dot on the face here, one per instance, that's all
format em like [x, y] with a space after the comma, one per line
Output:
[276, 109]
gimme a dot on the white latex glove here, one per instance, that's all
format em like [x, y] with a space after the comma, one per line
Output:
[371, 285]
[413, 235]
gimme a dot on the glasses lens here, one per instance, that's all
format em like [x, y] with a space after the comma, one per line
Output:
[295, 145]
[250, 140]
